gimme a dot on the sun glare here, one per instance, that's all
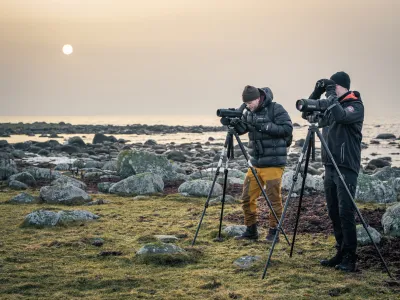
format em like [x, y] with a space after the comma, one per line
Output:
[67, 49]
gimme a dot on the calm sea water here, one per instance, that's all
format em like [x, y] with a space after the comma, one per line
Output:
[372, 127]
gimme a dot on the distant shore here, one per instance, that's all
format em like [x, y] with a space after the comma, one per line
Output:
[53, 129]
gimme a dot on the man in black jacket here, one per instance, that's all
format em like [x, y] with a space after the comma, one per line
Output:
[342, 124]
[269, 128]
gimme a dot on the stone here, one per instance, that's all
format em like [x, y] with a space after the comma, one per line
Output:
[141, 184]
[234, 230]
[64, 194]
[391, 220]
[246, 262]
[363, 237]
[200, 188]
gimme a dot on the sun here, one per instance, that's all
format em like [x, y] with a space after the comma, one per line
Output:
[67, 49]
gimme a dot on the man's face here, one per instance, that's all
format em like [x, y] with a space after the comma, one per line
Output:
[252, 105]
[340, 91]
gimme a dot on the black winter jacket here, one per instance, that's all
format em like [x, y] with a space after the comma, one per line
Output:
[267, 146]
[342, 131]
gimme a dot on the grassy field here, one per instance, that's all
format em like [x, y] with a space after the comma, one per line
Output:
[61, 263]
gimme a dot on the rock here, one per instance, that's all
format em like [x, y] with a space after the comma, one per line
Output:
[166, 238]
[391, 220]
[66, 180]
[160, 248]
[42, 173]
[44, 152]
[94, 164]
[373, 142]
[98, 242]
[18, 154]
[68, 217]
[16, 185]
[104, 187]
[4, 144]
[200, 188]
[62, 167]
[113, 178]
[246, 262]
[363, 238]
[386, 136]
[387, 173]
[24, 177]
[23, 198]
[176, 156]
[230, 181]
[150, 143]
[67, 194]
[45, 218]
[93, 176]
[235, 230]
[299, 143]
[210, 173]
[7, 166]
[371, 189]
[296, 125]
[41, 218]
[70, 149]
[100, 138]
[378, 163]
[141, 184]
[313, 182]
[98, 202]
[110, 166]
[131, 162]
[228, 200]
[76, 141]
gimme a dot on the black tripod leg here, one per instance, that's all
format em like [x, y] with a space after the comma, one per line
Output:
[260, 185]
[223, 199]
[324, 144]
[295, 176]
[224, 151]
[303, 184]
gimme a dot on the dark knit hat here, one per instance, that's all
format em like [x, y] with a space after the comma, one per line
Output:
[342, 79]
[250, 93]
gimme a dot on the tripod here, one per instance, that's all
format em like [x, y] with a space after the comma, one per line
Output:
[312, 130]
[228, 152]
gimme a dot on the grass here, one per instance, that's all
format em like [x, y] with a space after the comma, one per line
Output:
[61, 263]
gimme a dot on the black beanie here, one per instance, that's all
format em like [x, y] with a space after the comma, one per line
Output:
[342, 79]
[250, 93]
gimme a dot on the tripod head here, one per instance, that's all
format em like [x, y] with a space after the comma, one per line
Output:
[313, 117]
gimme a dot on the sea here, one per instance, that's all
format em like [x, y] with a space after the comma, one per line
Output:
[372, 127]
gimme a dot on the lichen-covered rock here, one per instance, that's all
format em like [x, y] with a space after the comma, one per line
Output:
[141, 184]
[371, 189]
[363, 237]
[16, 185]
[43, 173]
[313, 182]
[64, 194]
[23, 198]
[200, 188]
[66, 180]
[24, 177]
[391, 220]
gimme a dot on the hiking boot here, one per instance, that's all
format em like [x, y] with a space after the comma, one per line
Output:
[271, 235]
[250, 233]
[348, 263]
[333, 261]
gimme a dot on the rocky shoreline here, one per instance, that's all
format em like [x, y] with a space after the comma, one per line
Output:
[54, 129]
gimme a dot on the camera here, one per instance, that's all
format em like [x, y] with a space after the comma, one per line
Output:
[311, 105]
[229, 113]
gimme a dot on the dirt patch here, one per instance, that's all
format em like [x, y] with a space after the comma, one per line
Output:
[390, 250]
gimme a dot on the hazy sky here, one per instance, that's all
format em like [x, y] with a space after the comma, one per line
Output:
[191, 56]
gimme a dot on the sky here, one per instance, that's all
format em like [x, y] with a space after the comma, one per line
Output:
[191, 57]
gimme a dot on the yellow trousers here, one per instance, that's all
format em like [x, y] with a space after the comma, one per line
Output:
[271, 178]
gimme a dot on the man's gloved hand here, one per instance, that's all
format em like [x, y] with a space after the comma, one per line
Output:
[330, 88]
[225, 121]
[263, 127]
[319, 89]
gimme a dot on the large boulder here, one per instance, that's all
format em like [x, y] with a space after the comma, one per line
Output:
[67, 194]
[200, 188]
[391, 220]
[76, 141]
[70, 149]
[23, 198]
[363, 237]
[176, 156]
[16, 185]
[371, 189]
[46, 218]
[234, 230]
[387, 173]
[140, 184]
[100, 138]
[24, 177]
[110, 166]
[131, 162]
[7, 166]
[313, 182]
[66, 180]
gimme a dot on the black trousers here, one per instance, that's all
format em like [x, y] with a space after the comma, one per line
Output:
[340, 207]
